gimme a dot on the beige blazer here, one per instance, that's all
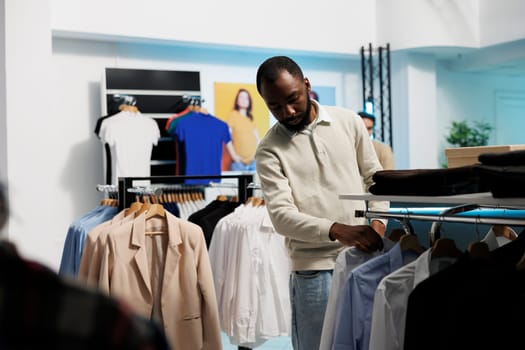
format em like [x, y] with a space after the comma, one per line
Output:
[187, 295]
[91, 255]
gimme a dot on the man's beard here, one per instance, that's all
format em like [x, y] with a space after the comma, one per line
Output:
[305, 119]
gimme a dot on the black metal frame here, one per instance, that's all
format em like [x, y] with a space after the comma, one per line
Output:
[125, 198]
[379, 77]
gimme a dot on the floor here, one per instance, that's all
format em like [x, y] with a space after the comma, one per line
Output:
[279, 343]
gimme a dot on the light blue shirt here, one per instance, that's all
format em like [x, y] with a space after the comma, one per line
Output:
[353, 322]
[349, 259]
[76, 236]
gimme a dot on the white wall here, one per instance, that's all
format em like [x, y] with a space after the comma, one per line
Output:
[471, 96]
[3, 112]
[414, 111]
[304, 25]
[32, 136]
[426, 23]
[336, 27]
[501, 21]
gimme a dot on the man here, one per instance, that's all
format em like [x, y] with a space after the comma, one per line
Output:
[383, 151]
[304, 162]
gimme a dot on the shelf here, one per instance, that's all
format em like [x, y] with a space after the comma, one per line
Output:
[484, 199]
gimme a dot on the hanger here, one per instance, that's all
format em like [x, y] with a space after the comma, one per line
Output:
[128, 108]
[222, 198]
[396, 234]
[521, 264]
[258, 201]
[503, 231]
[445, 247]
[133, 207]
[145, 207]
[410, 243]
[479, 249]
[155, 210]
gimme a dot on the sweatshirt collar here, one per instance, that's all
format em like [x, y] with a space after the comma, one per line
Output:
[322, 117]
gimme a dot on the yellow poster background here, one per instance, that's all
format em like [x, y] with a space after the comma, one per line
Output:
[225, 98]
[225, 94]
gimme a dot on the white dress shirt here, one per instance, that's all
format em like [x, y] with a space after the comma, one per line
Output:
[390, 300]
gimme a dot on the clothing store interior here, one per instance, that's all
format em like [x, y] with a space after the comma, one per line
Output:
[129, 135]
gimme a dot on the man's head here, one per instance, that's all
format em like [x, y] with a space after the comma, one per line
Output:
[369, 121]
[285, 91]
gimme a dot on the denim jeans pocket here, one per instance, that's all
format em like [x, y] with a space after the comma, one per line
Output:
[308, 273]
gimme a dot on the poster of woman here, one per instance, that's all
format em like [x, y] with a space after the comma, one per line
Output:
[241, 107]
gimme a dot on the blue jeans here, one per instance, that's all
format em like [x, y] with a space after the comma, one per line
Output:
[309, 291]
[240, 166]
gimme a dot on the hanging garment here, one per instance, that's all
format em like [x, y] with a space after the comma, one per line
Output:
[180, 154]
[76, 236]
[474, 304]
[131, 137]
[202, 137]
[387, 330]
[208, 217]
[165, 277]
[89, 270]
[107, 150]
[346, 261]
[251, 269]
[354, 316]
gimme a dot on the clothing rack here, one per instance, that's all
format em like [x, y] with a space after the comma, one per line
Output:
[107, 188]
[188, 101]
[126, 198]
[467, 208]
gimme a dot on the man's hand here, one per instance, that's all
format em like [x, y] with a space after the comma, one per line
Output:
[363, 237]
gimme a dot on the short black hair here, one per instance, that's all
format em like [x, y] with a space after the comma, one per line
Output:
[367, 115]
[269, 70]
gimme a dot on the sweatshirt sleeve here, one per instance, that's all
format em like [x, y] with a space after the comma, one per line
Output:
[285, 216]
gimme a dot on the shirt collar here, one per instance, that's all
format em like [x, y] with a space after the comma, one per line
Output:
[322, 114]
[322, 117]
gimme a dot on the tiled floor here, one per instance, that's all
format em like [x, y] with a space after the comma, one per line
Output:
[279, 343]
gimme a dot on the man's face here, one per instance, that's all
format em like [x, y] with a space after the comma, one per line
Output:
[288, 100]
[369, 124]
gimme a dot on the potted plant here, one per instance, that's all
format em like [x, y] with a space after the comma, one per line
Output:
[463, 135]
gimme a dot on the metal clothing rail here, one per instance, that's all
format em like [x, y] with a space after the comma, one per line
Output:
[443, 218]
[505, 211]
[125, 198]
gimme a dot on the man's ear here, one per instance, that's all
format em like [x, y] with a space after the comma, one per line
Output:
[307, 83]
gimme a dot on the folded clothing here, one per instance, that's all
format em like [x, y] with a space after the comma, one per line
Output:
[428, 182]
[504, 181]
[503, 159]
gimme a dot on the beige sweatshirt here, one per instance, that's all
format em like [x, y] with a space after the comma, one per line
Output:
[302, 175]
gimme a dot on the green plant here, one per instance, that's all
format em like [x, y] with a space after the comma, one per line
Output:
[463, 135]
